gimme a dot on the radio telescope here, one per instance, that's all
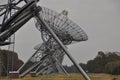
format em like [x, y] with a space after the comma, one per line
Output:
[57, 31]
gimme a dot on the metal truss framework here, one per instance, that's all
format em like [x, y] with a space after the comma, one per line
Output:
[56, 31]
[6, 12]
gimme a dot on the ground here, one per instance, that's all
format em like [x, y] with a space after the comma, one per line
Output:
[69, 77]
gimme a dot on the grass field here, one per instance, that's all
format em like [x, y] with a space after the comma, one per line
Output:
[69, 77]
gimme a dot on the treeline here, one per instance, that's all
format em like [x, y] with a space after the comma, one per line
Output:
[102, 63]
[9, 61]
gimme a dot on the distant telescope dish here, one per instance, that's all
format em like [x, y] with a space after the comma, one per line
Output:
[40, 46]
[63, 27]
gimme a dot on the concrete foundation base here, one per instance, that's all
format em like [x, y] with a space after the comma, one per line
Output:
[14, 74]
[33, 74]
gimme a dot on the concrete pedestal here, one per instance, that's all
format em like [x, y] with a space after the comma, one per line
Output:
[33, 74]
[14, 74]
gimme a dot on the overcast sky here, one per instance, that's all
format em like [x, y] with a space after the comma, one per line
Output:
[100, 19]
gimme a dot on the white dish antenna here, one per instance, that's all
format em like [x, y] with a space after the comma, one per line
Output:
[63, 27]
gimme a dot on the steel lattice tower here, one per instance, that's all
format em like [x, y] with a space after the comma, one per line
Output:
[7, 11]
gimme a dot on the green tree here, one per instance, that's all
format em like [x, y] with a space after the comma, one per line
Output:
[91, 66]
[113, 67]
[98, 63]
[111, 57]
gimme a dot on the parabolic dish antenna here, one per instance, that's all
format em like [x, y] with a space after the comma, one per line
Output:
[63, 27]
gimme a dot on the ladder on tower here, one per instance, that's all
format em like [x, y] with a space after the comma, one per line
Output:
[10, 63]
[3, 69]
[11, 46]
